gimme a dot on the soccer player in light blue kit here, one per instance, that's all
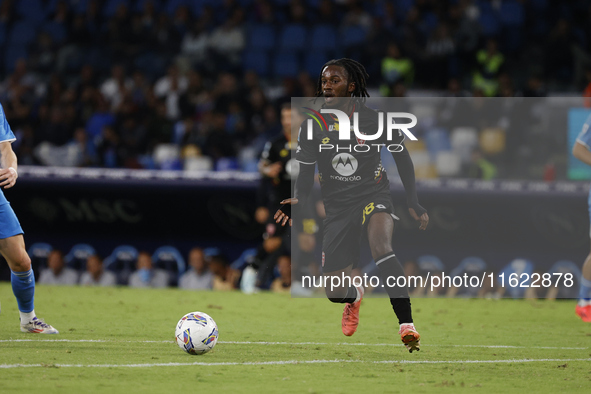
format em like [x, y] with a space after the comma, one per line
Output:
[582, 151]
[12, 243]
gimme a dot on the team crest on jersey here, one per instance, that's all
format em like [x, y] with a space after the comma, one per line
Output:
[359, 140]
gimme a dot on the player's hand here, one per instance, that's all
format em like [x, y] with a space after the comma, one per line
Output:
[424, 218]
[8, 177]
[273, 170]
[282, 216]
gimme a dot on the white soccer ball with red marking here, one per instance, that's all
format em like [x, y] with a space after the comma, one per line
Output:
[196, 333]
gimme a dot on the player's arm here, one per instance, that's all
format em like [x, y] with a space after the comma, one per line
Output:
[302, 189]
[582, 153]
[406, 170]
[266, 167]
[8, 163]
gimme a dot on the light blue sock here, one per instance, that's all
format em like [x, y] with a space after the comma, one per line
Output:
[23, 287]
[585, 290]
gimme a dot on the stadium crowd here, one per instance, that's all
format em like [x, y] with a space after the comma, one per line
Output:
[209, 269]
[198, 84]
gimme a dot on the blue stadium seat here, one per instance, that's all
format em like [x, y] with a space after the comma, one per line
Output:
[353, 36]
[171, 5]
[246, 257]
[489, 23]
[31, 10]
[437, 140]
[3, 33]
[285, 64]
[111, 6]
[11, 55]
[261, 37]
[566, 267]
[78, 255]
[140, 4]
[57, 31]
[538, 5]
[511, 13]
[293, 37]
[470, 264]
[403, 6]
[122, 261]
[226, 164]
[313, 61]
[171, 260]
[22, 33]
[430, 263]
[38, 253]
[516, 267]
[81, 6]
[323, 37]
[255, 60]
[313, 3]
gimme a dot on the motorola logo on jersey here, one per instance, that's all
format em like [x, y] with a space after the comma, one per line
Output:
[345, 164]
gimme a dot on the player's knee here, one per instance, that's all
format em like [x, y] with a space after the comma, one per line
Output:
[380, 249]
[23, 263]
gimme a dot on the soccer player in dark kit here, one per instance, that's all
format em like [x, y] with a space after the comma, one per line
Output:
[356, 194]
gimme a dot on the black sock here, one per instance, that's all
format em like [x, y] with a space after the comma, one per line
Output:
[350, 297]
[389, 266]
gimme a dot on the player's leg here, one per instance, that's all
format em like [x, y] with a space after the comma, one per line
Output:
[379, 233]
[583, 308]
[23, 284]
[340, 250]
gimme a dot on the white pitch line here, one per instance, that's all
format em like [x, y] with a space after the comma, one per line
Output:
[302, 343]
[526, 360]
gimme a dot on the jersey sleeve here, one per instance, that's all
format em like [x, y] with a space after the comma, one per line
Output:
[6, 133]
[307, 149]
[584, 137]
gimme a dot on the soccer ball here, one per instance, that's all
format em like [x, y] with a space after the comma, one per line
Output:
[196, 333]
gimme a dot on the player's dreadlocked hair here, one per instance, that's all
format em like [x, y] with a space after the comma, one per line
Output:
[356, 73]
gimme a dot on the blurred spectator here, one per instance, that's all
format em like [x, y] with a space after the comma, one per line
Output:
[227, 41]
[489, 63]
[225, 278]
[56, 272]
[146, 275]
[282, 284]
[480, 168]
[96, 275]
[198, 277]
[396, 68]
[116, 85]
[439, 57]
[195, 44]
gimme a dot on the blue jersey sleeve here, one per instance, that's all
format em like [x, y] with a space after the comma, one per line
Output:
[6, 133]
[584, 137]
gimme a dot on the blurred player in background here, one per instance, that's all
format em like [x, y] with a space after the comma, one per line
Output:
[582, 151]
[12, 242]
[279, 169]
[355, 204]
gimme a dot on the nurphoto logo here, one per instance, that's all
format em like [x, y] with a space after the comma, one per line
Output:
[345, 127]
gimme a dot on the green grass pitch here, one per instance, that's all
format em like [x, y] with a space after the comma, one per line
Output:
[120, 340]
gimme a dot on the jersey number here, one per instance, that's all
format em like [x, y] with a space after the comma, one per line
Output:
[367, 210]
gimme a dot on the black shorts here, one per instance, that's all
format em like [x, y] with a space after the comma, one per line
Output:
[343, 232]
